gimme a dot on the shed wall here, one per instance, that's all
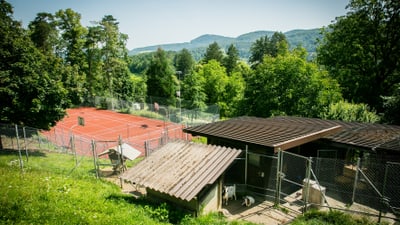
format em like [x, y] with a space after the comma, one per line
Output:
[188, 205]
[211, 201]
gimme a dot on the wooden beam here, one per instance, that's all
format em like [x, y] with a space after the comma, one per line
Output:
[305, 139]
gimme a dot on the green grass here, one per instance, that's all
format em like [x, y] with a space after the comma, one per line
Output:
[52, 190]
[330, 218]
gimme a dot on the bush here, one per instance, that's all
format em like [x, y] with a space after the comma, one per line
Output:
[314, 217]
[350, 112]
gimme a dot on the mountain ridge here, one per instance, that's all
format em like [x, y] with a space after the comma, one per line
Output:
[305, 37]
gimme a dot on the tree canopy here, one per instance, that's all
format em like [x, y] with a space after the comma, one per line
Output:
[30, 92]
[289, 85]
[361, 50]
[161, 79]
[213, 52]
[57, 63]
[263, 46]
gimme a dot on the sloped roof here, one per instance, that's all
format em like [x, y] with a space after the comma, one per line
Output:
[128, 151]
[286, 132]
[270, 132]
[182, 169]
[370, 136]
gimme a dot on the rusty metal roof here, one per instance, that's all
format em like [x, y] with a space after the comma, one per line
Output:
[286, 132]
[182, 169]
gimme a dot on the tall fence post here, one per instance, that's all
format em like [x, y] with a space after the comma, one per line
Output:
[73, 148]
[95, 158]
[307, 191]
[278, 178]
[384, 200]
[355, 181]
[21, 163]
[245, 166]
[25, 142]
[121, 156]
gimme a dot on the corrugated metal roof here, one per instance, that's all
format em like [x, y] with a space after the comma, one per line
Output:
[182, 169]
[371, 136]
[128, 151]
[271, 132]
[293, 131]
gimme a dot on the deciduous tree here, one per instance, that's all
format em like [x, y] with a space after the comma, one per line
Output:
[29, 94]
[274, 46]
[362, 50]
[350, 112]
[161, 79]
[193, 91]
[72, 36]
[289, 85]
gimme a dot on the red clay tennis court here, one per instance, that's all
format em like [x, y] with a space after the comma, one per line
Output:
[107, 127]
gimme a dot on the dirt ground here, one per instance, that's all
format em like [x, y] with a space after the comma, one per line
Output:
[261, 212]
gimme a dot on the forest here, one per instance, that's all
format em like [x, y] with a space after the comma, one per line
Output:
[197, 47]
[56, 63]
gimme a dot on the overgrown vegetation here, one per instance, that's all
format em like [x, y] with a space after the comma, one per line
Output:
[50, 190]
[314, 217]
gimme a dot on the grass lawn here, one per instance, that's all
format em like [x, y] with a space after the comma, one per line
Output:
[50, 190]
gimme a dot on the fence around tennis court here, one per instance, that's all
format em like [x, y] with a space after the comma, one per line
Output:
[25, 140]
[176, 114]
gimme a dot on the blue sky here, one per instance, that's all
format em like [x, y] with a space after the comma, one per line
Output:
[154, 22]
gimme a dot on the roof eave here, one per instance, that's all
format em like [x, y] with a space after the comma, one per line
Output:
[305, 139]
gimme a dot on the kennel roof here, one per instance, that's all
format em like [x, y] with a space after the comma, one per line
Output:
[182, 169]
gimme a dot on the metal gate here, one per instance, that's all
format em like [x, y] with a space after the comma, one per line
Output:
[293, 176]
[261, 174]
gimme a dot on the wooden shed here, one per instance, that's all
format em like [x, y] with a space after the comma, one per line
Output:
[306, 137]
[184, 173]
[303, 136]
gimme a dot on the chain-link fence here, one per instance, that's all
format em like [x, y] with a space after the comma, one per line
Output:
[299, 183]
[157, 108]
[289, 179]
[391, 187]
[365, 186]
[25, 140]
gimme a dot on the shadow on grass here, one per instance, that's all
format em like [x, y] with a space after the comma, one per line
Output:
[34, 153]
[162, 211]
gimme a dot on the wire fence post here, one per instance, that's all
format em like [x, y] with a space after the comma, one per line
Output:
[355, 181]
[278, 178]
[308, 176]
[384, 200]
[121, 156]
[73, 148]
[93, 145]
[21, 163]
[245, 165]
[25, 142]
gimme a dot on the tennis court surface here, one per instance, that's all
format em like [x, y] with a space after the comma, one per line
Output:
[107, 127]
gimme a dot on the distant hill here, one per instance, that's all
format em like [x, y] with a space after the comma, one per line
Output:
[198, 46]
